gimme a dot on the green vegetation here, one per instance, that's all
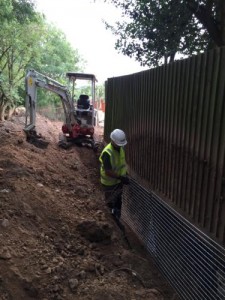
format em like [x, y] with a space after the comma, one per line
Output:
[153, 31]
[100, 91]
[28, 41]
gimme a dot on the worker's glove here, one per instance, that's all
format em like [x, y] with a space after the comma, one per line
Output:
[125, 179]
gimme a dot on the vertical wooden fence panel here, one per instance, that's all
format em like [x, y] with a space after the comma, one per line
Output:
[204, 137]
[165, 130]
[163, 126]
[174, 117]
[193, 138]
[171, 133]
[181, 80]
[221, 223]
[189, 173]
[184, 159]
[148, 126]
[143, 150]
[168, 122]
[156, 142]
[200, 132]
[175, 140]
[209, 145]
[218, 143]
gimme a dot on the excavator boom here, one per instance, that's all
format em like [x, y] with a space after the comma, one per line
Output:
[34, 80]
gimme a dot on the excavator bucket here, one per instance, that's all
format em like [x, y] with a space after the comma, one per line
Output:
[36, 139]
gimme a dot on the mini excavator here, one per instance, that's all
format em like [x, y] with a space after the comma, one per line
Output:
[80, 119]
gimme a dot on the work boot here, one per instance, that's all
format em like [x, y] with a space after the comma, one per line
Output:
[116, 212]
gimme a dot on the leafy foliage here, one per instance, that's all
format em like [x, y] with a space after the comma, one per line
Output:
[28, 41]
[24, 11]
[153, 30]
[15, 48]
[86, 90]
[56, 57]
[5, 10]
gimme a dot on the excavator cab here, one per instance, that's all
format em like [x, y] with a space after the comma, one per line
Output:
[84, 107]
[85, 111]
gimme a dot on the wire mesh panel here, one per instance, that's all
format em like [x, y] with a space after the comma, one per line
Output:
[192, 262]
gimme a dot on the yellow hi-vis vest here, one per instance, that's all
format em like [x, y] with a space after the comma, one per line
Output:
[118, 163]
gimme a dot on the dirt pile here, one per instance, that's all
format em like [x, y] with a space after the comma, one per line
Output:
[57, 240]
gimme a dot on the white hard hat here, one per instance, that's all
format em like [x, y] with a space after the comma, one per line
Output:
[118, 137]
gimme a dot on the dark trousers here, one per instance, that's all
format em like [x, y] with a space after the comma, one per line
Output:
[113, 196]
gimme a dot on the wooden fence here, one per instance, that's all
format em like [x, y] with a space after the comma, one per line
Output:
[174, 118]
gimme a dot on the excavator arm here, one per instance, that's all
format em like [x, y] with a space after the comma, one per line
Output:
[34, 80]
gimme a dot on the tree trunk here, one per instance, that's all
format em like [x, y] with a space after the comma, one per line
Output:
[172, 57]
[214, 26]
[9, 112]
[165, 59]
[221, 18]
[2, 111]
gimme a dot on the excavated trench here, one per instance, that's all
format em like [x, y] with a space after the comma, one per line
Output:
[58, 240]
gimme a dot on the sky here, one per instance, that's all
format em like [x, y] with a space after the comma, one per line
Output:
[81, 21]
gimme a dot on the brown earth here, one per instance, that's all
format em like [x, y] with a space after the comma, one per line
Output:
[57, 240]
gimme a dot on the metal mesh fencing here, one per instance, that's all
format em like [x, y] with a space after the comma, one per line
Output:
[192, 262]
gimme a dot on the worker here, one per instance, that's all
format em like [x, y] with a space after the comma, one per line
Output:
[114, 171]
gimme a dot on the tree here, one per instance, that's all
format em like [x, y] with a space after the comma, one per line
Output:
[100, 91]
[211, 14]
[24, 11]
[56, 57]
[45, 48]
[16, 20]
[86, 90]
[156, 29]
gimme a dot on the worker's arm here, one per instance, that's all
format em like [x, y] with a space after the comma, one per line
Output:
[108, 169]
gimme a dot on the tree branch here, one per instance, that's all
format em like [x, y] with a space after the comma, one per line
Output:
[4, 52]
[209, 5]
[203, 14]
